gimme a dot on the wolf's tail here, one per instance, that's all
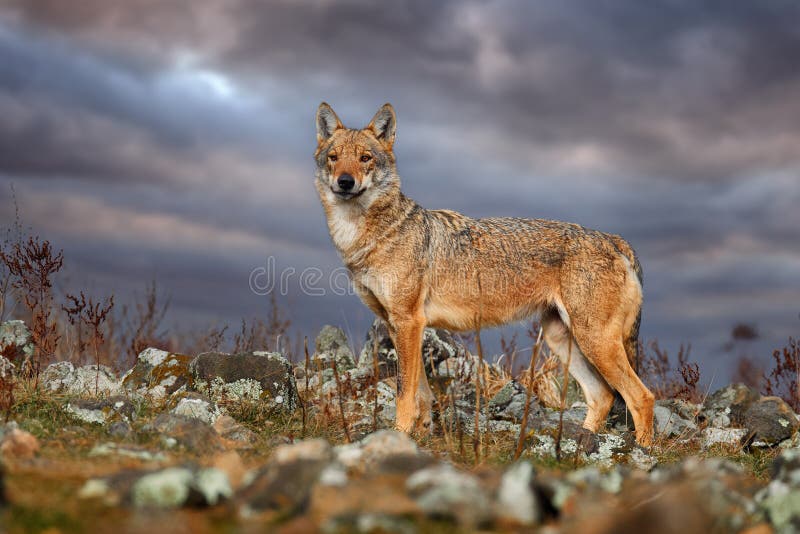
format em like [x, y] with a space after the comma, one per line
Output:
[631, 341]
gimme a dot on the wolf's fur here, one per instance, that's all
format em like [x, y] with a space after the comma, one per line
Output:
[416, 267]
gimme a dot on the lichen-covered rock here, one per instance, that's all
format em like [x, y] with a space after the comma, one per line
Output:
[157, 374]
[332, 346]
[780, 499]
[16, 342]
[769, 421]
[197, 407]
[726, 406]
[101, 411]
[7, 369]
[444, 492]
[87, 381]
[517, 502]
[723, 436]
[263, 376]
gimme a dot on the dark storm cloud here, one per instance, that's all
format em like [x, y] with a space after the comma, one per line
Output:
[186, 128]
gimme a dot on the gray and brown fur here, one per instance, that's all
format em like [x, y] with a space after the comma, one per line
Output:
[416, 267]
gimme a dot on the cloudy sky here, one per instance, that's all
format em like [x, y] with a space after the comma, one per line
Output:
[173, 139]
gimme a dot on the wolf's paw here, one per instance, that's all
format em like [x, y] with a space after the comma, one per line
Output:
[423, 425]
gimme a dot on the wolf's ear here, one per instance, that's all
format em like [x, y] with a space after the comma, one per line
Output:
[384, 124]
[327, 122]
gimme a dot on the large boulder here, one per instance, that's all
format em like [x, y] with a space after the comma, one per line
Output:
[332, 347]
[157, 374]
[769, 421]
[256, 375]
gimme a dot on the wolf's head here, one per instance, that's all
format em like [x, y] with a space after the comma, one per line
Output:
[355, 164]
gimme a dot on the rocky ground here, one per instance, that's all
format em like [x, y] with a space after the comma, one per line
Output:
[249, 442]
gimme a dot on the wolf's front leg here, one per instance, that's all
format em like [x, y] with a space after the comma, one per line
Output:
[413, 398]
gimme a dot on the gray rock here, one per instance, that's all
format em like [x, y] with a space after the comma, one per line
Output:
[172, 487]
[437, 346]
[197, 407]
[517, 501]
[332, 346]
[7, 369]
[101, 411]
[284, 485]
[780, 499]
[63, 377]
[444, 492]
[508, 404]
[263, 376]
[186, 431]
[726, 407]
[722, 436]
[378, 338]
[127, 451]
[239, 436]
[157, 374]
[769, 421]
[670, 424]
[120, 429]
[16, 342]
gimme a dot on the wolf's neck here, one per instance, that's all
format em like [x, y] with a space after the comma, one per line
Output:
[356, 229]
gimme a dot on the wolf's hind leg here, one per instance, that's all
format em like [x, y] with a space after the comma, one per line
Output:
[605, 350]
[599, 395]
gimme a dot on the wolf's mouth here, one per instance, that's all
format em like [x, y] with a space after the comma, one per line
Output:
[347, 195]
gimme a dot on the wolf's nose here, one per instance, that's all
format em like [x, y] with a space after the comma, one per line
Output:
[346, 182]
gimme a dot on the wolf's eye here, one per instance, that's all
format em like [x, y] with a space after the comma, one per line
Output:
[365, 158]
[332, 157]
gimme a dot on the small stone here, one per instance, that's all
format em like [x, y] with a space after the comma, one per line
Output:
[168, 488]
[16, 342]
[332, 346]
[191, 433]
[723, 436]
[100, 411]
[726, 406]
[127, 451]
[236, 434]
[444, 492]
[19, 444]
[308, 450]
[516, 501]
[120, 429]
[197, 408]
[670, 424]
[7, 369]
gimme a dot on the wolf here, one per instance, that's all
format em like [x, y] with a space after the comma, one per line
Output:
[416, 267]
